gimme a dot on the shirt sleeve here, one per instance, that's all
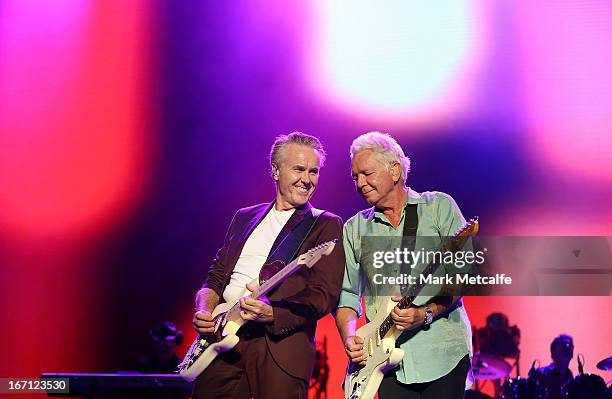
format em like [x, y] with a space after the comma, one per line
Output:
[450, 220]
[350, 296]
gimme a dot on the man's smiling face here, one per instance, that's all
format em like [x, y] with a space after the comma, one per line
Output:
[297, 175]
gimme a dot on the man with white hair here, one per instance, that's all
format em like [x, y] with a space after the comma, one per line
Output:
[436, 336]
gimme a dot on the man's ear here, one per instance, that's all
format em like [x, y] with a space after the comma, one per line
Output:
[396, 172]
[274, 171]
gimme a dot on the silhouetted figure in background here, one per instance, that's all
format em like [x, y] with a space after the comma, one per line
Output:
[500, 339]
[553, 376]
[163, 359]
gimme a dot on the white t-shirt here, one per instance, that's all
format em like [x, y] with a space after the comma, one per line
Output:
[255, 252]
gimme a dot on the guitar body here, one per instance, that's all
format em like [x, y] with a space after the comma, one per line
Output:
[382, 356]
[226, 316]
[206, 348]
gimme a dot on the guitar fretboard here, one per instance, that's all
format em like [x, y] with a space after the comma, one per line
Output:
[266, 287]
[406, 301]
[276, 279]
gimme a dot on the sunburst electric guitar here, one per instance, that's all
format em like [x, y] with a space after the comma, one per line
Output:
[380, 334]
[226, 316]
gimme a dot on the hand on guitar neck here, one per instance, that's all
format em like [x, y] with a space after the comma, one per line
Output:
[409, 318]
[256, 310]
[414, 316]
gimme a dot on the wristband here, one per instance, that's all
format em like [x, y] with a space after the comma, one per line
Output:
[428, 315]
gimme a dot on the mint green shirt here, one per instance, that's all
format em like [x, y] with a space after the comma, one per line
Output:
[428, 353]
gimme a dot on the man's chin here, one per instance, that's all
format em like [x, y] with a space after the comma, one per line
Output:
[369, 200]
[307, 197]
[301, 201]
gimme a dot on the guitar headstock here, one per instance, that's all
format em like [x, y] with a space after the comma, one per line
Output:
[469, 229]
[314, 254]
[456, 242]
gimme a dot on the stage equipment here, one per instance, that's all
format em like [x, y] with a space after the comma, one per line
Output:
[489, 367]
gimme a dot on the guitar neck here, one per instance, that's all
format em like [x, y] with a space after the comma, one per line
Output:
[413, 291]
[276, 279]
[234, 312]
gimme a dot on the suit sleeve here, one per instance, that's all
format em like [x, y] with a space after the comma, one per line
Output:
[218, 272]
[321, 294]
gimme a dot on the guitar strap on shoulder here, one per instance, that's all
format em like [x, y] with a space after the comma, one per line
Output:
[411, 220]
[411, 224]
[287, 249]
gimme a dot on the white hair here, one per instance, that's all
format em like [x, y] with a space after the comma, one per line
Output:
[387, 150]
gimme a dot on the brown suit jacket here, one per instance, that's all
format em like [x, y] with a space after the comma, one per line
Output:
[299, 301]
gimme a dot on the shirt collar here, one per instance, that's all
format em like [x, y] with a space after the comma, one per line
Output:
[413, 197]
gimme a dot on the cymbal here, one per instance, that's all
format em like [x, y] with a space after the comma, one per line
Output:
[605, 364]
[489, 367]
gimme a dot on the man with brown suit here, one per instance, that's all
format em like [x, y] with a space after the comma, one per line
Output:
[275, 355]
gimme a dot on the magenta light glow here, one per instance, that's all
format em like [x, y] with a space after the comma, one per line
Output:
[566, 51]
[71, 113]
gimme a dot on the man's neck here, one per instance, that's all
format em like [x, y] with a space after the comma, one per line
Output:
[281, 205]
[282, 208]
[561, 367]
[394, 204]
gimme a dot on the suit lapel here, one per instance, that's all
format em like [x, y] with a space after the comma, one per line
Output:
[250, 225]
[255, 220]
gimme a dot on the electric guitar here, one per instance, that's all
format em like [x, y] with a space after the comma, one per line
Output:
[226, 316]
[380, 334]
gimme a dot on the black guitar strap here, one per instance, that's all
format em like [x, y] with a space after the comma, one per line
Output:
[411, 224]
[286, 251]
[411, 220]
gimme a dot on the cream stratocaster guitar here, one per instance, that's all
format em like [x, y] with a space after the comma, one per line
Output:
[226, 316]
[380, 334]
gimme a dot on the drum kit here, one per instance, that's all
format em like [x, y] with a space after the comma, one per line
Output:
[498, 341]
[487, 367]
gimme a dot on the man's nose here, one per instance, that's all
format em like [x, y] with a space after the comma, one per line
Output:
[361, 181]
[305, 177]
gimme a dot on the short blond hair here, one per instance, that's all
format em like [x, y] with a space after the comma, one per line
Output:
[282, 141]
